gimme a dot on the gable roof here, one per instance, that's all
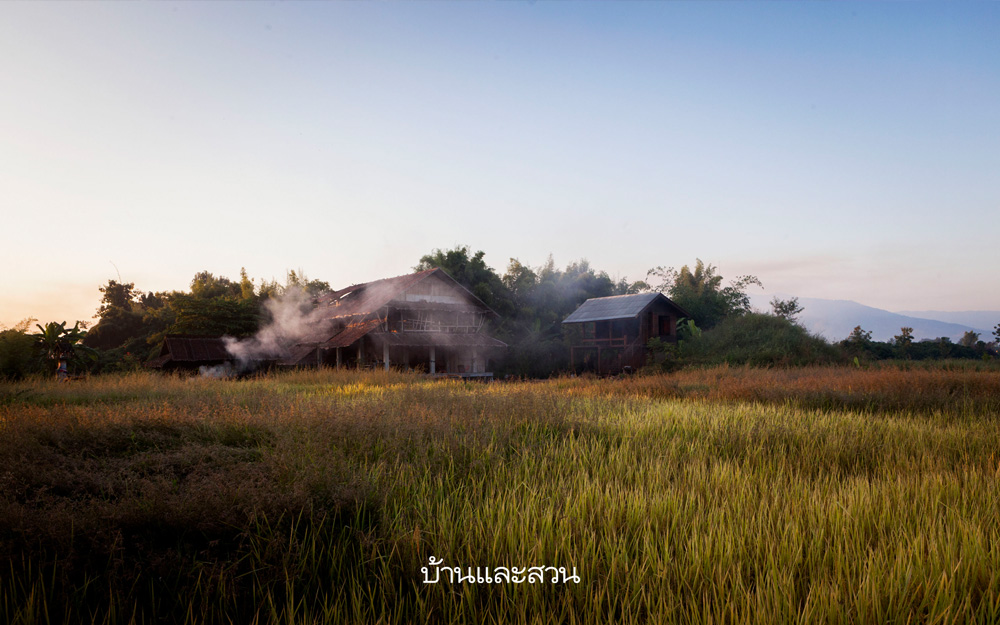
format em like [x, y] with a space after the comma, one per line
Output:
[617, 307]
[369, 297]
[191, 350]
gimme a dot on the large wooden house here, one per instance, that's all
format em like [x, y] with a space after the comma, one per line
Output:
[613, 331]
[424, 321]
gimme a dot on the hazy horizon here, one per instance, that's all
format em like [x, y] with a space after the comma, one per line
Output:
[834, 150]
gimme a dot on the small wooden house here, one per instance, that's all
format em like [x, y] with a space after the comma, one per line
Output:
[613, 331]
[182, 351]
[424, 321]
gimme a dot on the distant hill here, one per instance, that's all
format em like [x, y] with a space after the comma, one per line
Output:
[835, 319]
[982, 320]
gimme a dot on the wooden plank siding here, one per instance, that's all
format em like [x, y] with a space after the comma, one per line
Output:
[645, 317]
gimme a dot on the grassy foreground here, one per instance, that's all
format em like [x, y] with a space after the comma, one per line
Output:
[723, 495]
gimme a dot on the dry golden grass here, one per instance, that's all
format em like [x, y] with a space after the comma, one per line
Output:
[953, 390]
[720, 495]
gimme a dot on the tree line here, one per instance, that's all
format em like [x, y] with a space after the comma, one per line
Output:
[531, 303]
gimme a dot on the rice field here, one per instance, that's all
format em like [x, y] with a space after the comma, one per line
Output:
[817, 495]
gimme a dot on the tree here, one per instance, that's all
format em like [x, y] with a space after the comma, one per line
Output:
[117, 326]
[117, 296]
[127, 320]
[299, 280]
[520, 281]
[246, 285]
[859, 337]
[269, 289]
[701, 294]
[903, 340]
[205, 285]
[152, 301]
[473, 273]
[213, 317]
[969, 339]
[944, 346]
[786, 309]
[623, 287]
[16, 351]
[996, 334]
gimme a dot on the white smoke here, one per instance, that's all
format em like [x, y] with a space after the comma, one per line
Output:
[217, 372]
[292, 319]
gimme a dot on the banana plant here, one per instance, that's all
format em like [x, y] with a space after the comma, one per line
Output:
[57, 342]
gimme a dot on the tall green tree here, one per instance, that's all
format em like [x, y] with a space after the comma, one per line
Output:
[701, 293]
[246, 285]
[214, 316]
[116, 296]
[858, 341]
[969, 339]
[299, 280]
[520, 281]
[206, 285]
[903, 341]
[126, 321]
[472, 272]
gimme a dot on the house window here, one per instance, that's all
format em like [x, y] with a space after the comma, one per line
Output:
[664, 326]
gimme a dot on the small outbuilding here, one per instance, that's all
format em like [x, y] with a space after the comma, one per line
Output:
[180, 351]
[613, 331]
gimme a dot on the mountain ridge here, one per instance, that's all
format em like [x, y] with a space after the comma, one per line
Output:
[835, 319]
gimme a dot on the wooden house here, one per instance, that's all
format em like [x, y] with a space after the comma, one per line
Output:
[613, 331]
[424, 321]
[182, 351]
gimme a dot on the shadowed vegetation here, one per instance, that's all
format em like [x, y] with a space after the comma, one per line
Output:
[743, 495]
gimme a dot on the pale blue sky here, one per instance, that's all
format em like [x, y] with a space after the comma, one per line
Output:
[835, 150]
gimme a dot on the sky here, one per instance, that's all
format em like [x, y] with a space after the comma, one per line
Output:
[836, 150]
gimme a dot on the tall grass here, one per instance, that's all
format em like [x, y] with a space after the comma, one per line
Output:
[316, 497]
[949, 390]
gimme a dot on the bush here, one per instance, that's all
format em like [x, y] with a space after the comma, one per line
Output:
[16, 354]
[757, 339]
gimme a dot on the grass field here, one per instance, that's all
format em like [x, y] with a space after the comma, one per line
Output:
[832, 495]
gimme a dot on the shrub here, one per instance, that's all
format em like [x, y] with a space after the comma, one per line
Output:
[16, 354]
[757, 339]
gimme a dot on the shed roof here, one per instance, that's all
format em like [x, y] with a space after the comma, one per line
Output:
[617, 307]
[191, 350]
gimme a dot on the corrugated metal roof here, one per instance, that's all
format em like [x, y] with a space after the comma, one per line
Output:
[352, 333]
[368, 298]
[364, 299]
[188, 349]
[437, 339]
[304, 351]
[191, 350]
[158, 362]
[298, 354]
[615, 307]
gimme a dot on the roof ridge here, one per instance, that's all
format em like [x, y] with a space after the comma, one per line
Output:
[402, 275]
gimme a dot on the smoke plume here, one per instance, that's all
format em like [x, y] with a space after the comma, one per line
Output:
[291, 319]
[217, 372]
